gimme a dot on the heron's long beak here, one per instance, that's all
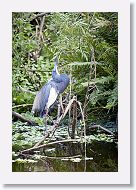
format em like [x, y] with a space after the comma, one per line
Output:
[56, 60]
[56, 65]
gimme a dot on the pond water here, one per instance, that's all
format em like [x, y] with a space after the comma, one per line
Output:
[100, 156]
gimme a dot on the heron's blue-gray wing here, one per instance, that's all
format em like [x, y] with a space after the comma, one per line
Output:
[41, 100]
[62, 84]
[45, 98]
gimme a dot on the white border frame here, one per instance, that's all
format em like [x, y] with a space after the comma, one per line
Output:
[123, 174]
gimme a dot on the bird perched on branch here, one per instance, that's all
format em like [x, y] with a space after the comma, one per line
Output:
[48, 94]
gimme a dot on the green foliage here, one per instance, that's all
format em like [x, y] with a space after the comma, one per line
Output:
[70, 36]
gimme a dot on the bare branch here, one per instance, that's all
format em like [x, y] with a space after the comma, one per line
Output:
[39, 15]
[74, 122]
[68, 107]
[24, 90]
[49, 144]
[22, 105]
[23, 119]
[56, 124]
[103, 128]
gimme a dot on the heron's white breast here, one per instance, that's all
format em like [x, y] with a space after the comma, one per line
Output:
[52, 97]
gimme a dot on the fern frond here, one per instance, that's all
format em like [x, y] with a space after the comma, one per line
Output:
[84, 63]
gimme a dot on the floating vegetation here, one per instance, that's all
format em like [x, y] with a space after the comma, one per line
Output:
[101, 151]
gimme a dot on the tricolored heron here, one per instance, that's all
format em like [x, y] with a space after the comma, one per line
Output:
[48, 94]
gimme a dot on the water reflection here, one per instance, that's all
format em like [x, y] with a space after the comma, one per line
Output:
[57, 158]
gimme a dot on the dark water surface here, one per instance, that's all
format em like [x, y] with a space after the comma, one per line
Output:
[70, 157]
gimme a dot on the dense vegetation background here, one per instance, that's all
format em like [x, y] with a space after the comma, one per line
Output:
[38, 38]
[87, 47]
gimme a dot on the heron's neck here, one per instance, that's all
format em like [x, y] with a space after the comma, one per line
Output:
[56, 70]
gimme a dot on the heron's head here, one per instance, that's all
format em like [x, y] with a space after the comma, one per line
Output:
[56, 65]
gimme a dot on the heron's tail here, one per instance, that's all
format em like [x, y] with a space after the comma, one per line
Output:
[38, 105]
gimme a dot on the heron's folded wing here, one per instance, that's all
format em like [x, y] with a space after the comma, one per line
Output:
[41, 99]
[61, 86]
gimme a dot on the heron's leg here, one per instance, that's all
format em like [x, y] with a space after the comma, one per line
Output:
[46, 118]
[59, 110]
[61, 103]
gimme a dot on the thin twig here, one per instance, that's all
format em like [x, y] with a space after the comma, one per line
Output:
[93, 59]
[70, 90]
[79, 103]
[39, 15]
[66, 157]
[69, 106]
[22, 105]
[87, 91]
[61, 103]
[74, 121]
[41, 28]
[52, 130]
[49, 144]
[24, 90]
[87, 102]
[83, 119]
[33, 70]
[46, 135]
[103, 128]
